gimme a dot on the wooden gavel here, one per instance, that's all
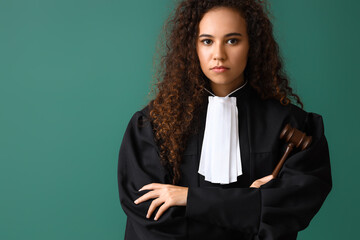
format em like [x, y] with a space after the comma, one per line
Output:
[295, 138]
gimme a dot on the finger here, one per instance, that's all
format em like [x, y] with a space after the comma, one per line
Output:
[154, 204]
[147, 196]
[268, 178]
[161, 210]
[265, 180]
[255, 184]
[152, 186]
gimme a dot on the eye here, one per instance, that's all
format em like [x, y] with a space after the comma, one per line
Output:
[204, 41]
[235, 41]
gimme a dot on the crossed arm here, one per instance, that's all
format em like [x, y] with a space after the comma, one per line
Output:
[167, 195]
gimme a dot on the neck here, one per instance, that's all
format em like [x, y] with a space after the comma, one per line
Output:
[222, 90]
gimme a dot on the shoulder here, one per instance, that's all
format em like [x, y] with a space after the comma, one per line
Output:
[271, 114]
[145, 111]
[272, 110]
[139, 125]
[140, 118]
[300, 117]
[140, 129]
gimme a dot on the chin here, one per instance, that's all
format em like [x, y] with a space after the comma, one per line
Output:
[220, 82]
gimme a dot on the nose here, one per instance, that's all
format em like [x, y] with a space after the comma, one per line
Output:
[219, 52]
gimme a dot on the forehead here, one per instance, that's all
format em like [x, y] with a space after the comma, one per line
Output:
[222, 20]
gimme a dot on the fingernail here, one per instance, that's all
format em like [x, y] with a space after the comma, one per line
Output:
[136, 201]
[155, 218]
[140, 189]
[147, 216]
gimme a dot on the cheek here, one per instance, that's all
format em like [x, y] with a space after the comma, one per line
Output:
[241, 56]
[203, 55]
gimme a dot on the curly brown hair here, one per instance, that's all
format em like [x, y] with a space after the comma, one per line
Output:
[179, 90]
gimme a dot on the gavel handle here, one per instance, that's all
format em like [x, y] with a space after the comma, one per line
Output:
[282, 160]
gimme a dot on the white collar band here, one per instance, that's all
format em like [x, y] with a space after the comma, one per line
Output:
[220, 160]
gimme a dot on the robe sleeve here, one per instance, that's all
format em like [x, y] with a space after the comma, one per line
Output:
[138, 165]
[279, 208]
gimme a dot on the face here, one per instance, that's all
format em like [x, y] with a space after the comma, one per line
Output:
[223, 41]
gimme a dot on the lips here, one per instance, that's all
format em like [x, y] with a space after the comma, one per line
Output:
[219, 67]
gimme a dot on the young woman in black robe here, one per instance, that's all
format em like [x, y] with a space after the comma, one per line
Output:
[196, 162]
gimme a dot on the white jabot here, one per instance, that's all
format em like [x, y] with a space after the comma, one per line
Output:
[220, 160]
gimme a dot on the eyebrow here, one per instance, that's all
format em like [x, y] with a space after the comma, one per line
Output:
[227, 35]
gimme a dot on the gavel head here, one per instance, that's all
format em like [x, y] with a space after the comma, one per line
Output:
[296, 137]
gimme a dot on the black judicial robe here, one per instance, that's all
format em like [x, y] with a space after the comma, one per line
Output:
[276, 210]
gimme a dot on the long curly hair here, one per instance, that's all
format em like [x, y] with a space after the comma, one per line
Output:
[179, 87]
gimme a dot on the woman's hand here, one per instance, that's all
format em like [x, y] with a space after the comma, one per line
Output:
[165, 195]
[262, 181]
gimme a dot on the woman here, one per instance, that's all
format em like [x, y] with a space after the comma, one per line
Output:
[196, 162]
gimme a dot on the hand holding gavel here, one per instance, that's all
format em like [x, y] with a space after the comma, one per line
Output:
[295, 138]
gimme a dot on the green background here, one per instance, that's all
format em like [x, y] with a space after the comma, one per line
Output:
[72, 73]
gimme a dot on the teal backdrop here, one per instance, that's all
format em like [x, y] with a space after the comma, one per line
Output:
[72, 73]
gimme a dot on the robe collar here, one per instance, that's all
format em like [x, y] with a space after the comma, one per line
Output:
[235, 93]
